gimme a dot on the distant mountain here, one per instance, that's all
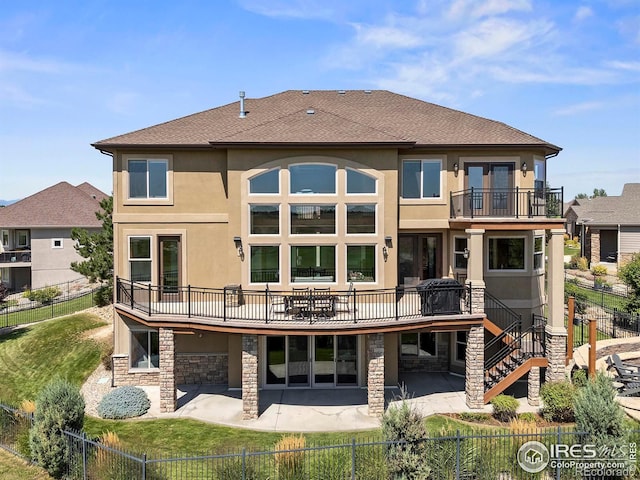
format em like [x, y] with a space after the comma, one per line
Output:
[7, 202]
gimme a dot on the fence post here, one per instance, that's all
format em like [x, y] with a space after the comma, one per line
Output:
[144, 466]
[592, 347]
[457, 454]
[189, 301]
[558, 443]
[355, 315]
[572, 309]
[353, 459]
[244, 463]
[84, 455]
[149, 298]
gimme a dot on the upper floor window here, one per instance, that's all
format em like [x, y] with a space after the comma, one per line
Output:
[140, 259]
[265, 263]
[361, 263]
[540, 175]
[312, 179]
[267, 182]
[506, 253]
[361, 219]
[313, 219]
[265, 219]
[460, 252]
[148, 178]
[421, 178]
[5, 238]
[358, 182]
[22, 238]
[56, 243]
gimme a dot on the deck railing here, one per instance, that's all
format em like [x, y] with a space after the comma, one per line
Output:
[233, 303]
[507, 202]
[15, 256]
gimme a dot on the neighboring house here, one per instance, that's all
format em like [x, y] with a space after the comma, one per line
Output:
[321, 211]
[35, 234]
[609, 227]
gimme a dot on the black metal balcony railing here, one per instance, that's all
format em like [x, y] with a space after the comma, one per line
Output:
[266, 306]
[507, 202]
[15, 256]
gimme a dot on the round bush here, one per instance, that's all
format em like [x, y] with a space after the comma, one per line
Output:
[505, 408]
[124, 402]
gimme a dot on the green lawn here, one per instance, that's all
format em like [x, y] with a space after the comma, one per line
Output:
[30, 357]
[568, 250]
[14, 468]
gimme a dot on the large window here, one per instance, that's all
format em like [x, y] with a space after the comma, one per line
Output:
[420, 344]
[506, 253]
[361, 263]
[148, 178]
[267, 182]
[361, 219]
[358, 182]
[265, 263]
[312, 178]
[313, 263]
[265, 219]
[145, 349]
[421, 178]
[140, 259]
[460, 252]
[313, 219]
[538, 253]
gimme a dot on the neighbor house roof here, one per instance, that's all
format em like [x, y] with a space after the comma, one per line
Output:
[329, 117]
[61, 205]
[611, 210]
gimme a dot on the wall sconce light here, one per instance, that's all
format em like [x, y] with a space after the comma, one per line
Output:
[524, 168]
[456, 169]
[465, 253]
[385, 252]
[238, 243]
[388, 243]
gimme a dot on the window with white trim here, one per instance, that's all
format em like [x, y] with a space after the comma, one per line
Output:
[264, 219]
[538, 252]
[312, 178]
[140, 259]
[313, 219]
[507, 253]
[148, 178]
[421, 178]
[145, 349]
[459, 248]
[361, 219]
[420, 344]
[360, 183]
[267, 182]
[265, 263]
[23, 238]
[5, 238]
[56, 243]
[361, 263]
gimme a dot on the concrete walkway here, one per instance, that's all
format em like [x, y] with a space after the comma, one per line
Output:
[318, 410]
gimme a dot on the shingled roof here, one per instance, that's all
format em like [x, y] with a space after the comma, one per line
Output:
[611, 210]
[61, 205]
[329, 117]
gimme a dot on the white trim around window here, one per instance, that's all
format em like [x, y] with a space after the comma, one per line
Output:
[57, 243]
[144, 349]
[140, 261]
[416, 190]
[538, 253]
[156, 197]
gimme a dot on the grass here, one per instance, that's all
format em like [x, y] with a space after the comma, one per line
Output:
[569, 250]
[14, 468]
[46, 312]
[30, 357]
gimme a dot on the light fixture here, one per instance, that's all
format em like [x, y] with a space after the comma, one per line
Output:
[524, 168]
[388, 241]
[238, 243]
[465, 253]
[456, 169]
[385, 252]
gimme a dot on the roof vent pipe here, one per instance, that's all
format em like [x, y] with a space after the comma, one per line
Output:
[242, 111]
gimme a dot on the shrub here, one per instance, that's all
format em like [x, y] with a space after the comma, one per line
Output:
[404, 427]
[42, 295]
[528, 417]
[124, 402]
[579, 377]
[566, 237]
[598, 414]
[630, 275]
[558, 401]
[599, 270]
[474, 417]
[290, 460]
[104, 295]
[582, 264]
[59, 407]
[505, 407]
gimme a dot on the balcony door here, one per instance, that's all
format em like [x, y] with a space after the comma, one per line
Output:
[170, 267]
[419, 257]
[493, 189]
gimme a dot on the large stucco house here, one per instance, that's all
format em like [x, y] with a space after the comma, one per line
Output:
[36, 248]
[335, 239]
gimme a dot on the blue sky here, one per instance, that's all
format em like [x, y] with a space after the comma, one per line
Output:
[74, 72]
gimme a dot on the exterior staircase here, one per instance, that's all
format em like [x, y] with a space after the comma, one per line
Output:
[512, 351]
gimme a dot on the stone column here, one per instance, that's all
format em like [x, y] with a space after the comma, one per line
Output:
[533, 387]
[475, 268]
[249, 377]
[375, 374]
[474, 371]
[595, 246]
[168, 399]
[555, 331]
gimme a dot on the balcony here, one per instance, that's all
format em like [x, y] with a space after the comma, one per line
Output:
[507, 203]
[16, 256]
[232, 308]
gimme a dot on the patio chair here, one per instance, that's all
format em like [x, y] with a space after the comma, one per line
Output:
[323, 302]
[344, 302]
[631, 389]
[300, 301]
[626, 373]
[277, 303]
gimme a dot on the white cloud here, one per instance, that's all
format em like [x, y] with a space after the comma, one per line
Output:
[11, 62]
[579, 108]
[583, 12]
[387, 36]
[290, 8]
[621, 65]
[498, 7]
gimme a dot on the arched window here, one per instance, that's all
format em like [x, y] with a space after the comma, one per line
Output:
[312, 178]
[358, 182]
[267, 182]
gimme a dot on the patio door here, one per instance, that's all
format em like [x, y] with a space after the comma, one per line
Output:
[419, 258]
[324, 364]
[298, 361]
[170, 267]
[492, 184]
